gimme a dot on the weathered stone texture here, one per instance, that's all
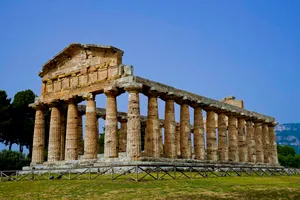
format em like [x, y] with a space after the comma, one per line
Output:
[222, 138]
[211, 137]
[72, 133]
[266, 143]
[63, 135]
[232, 139]
[198, 134]
[133, 124]
[251, 142]
[38, 137]
[123, 136]
[80, 136]
[153, 133]
[54, 135]
[242, 146]
[273, 146]
[170, 129]
[111, 125]
[178, 132]
[91, 132]
[185, 131]
[258, 143]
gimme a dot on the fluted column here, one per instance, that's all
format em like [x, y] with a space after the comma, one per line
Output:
[111, 124]
[222, 138]
[211, 138]
[38, 136]
[232, 139]
[178, 140]
[170, 129]
[91, 132]
[258, 143]
[153, 132]
[79, 136]
[242, 146]
[72, 132]
[198, 134]
[63, 134]
[54, 135]
[266, 143]
[161, 145]
[251, 142]
[133, 124]
[185, 131]
[273, 145]
[123, 135]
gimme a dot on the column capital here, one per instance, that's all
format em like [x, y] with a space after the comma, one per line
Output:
[152, 92]
[133, 87]
[88, 96]
[111, 91]
[169, 96]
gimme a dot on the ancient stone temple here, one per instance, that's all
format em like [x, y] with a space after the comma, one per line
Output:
[226, 133]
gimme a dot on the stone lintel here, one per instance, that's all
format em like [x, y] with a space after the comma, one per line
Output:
[204, 100]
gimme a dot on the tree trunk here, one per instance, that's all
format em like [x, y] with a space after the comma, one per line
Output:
[10, 144]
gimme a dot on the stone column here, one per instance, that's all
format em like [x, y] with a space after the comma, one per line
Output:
[222, 138]
[211, 138]
[170, 129]
[79, 136]
[38, 136]
[72, 132]
[178, 140]
[198, 134]
[91, 132]
[258, 143]
[54, 134]
[133, 122]
[242, 146]
[266, 143]
[63, 134]
[185, 131]
[273, 145]
[161, 145]
[232, 139]
[153, 132]
[251, 143]
[123, 135]
[111, 124]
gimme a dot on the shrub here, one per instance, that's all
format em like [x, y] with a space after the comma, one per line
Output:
[12, 160]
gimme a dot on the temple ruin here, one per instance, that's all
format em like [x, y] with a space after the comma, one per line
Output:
[229, 134]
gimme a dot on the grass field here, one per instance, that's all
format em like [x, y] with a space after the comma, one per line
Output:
[277, 187]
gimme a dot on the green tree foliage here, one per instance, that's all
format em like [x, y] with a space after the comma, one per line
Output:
[6, 120]
[287, 156]
[12, 160]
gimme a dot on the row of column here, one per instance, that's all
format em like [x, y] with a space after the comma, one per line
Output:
[254, 142]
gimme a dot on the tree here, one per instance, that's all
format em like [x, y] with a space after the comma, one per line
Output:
[5, 120]
[286, 150]
[23, 118]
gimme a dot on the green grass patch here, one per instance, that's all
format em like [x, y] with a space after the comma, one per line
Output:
[276, 187]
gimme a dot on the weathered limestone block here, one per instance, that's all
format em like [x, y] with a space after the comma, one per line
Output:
[251, 142]
[111, 124]
[170, 129]
[153, 131]
[258, 143]
[273, 146]
[266, 143]
[63, 135]
[54, 135]
[38, 137]
[80, 136]
[242, 146]
[211, 137]
[72, 132]
[178, 140]
[91, 132]
[133, 122]
[198, 134]
[161, 145]
[123, 135]
[185, 131]
[222, 138]
[232, 139]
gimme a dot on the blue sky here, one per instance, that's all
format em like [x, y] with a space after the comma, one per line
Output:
[249, 49]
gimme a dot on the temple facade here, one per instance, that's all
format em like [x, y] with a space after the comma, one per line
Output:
[227, 134]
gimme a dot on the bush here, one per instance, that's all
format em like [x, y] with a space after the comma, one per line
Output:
[12, 160]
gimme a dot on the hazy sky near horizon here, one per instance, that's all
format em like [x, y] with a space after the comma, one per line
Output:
[248, 49]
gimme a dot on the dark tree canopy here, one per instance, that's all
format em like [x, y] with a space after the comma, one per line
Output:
[5, 119]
